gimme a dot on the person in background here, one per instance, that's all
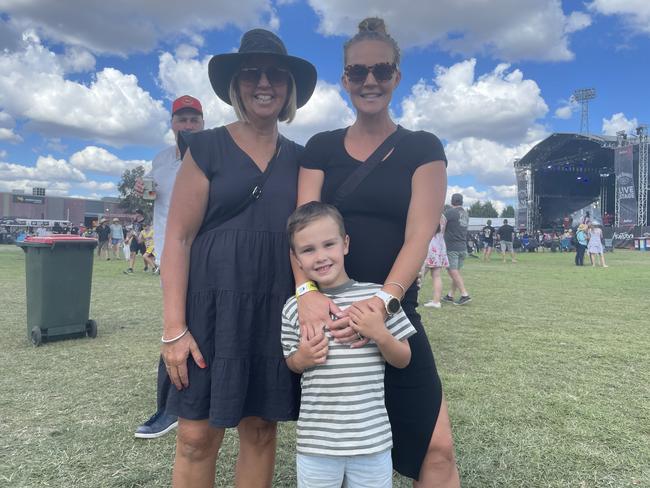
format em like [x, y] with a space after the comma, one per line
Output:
[581, 244]
[103, 235]
[133, 239]
[117, 237]
[506, 233]
[187, 116]
[146, 238]
[436, 260]
[595, 245]
[487, 237]
[456, 242]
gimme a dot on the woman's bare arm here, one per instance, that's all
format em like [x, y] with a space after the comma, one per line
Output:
[188, 204]
[428, 191]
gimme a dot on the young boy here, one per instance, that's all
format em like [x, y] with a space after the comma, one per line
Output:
[343, 427]
[146, 236]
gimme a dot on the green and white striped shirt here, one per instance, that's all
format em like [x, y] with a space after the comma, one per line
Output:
[342, 411]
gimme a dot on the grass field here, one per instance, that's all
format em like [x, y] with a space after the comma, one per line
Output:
[546, 372]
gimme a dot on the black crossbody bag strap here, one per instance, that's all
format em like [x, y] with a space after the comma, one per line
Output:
[358, 175]
[256, 191]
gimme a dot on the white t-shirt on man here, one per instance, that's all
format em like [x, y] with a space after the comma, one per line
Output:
[163, 171]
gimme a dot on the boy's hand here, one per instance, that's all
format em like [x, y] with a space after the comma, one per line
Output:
[311, 352]
[367, 320]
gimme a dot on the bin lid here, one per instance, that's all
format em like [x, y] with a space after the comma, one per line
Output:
[50, 241]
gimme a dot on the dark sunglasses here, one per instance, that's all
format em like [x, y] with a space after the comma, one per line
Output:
[357, 73]
[276, 76]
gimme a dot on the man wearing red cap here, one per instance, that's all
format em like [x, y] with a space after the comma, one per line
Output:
[187, 116]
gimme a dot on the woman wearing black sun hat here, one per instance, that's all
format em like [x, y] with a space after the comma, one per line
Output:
[227, 272]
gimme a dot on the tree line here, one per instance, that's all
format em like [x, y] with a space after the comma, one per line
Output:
[487, 210]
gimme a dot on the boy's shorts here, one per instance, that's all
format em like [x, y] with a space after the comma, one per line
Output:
[456, 259]
[374, 470]
[506, 246]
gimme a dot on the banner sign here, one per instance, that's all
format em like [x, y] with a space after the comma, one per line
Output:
[29, 199]
[623, 165]
[522, 198]
[625, 237]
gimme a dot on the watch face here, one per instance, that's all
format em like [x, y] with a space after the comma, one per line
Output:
[393, 306]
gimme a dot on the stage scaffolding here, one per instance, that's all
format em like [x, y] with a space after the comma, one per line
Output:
[621, 141]
[642, 213]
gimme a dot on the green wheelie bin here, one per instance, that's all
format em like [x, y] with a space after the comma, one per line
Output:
[59, 272]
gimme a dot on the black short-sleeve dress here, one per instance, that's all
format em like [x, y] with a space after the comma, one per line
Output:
[375, 218]
[239, 279]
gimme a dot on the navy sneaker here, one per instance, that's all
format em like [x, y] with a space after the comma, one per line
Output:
[448, 299]
[464, 300]
[157, 426]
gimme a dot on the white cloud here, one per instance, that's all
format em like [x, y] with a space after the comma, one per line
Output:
[487, 161]
[325, 110]
[97, 159]
[77, 60]
[3, 154]
[619, 122]
[472, 195]
[504, 191]
[7, 124]
[566, 109]
[500, 105]
[527, 29]
[124, 26]
[9, 136]
[47, 168]
[106, 187]
[111, 109]
[635, 13]
[54, 188]
[55, 144]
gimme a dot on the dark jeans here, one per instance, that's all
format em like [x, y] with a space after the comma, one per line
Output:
[580, 254]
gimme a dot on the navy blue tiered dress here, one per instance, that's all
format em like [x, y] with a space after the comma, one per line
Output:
[239, 279]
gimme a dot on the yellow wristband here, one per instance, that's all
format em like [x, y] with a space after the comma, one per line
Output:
[306, 287]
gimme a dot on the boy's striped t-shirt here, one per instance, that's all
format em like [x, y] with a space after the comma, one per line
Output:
[342, 411]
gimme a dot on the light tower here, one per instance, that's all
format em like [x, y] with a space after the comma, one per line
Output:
[642, 209]
[582, 96]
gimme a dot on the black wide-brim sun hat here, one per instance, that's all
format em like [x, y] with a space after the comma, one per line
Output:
[223, 67]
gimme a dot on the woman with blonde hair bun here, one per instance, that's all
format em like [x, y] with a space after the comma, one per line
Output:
[389, 184]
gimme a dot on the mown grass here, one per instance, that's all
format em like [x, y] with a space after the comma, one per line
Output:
[546, 373]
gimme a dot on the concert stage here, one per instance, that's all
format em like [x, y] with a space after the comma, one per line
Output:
[568, 172]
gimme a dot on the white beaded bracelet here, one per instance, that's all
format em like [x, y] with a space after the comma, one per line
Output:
[174, 339]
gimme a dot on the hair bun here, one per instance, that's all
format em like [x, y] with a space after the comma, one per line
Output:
[373, 24]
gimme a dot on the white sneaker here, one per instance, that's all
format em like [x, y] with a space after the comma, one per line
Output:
[432, 304]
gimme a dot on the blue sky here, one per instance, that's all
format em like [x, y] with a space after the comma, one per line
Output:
[85, 86]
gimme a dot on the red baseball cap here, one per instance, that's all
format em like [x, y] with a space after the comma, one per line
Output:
[186, 101]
